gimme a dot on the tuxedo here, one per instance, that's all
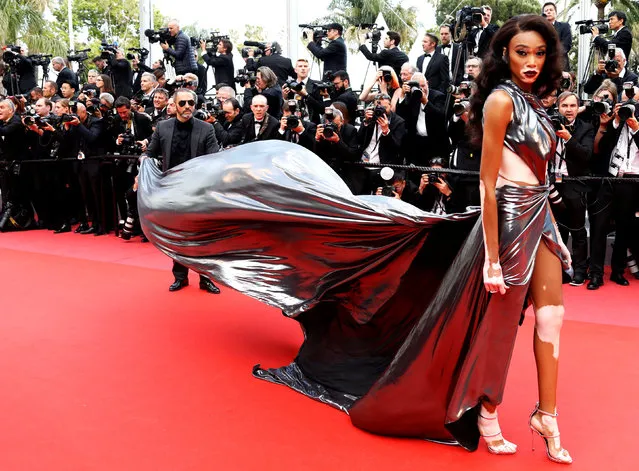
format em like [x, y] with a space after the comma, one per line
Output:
[622, 39]
[136, 77]
[202, 80]
[333, 55]
[565, 38]
[121, 75]
[452, 51]
[268, 128]
[389, 145]
[345, 150]
[229, 134]
[437, 71]
[393, 57]
[486, 35]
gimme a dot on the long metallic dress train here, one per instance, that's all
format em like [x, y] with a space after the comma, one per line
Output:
[399, 330]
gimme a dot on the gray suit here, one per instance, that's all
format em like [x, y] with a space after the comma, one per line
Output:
[203, 141]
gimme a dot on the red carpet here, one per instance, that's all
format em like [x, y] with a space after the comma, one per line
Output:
[101, 368]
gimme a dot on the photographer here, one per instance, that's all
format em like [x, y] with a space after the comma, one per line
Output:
[434, 191]
[434, 65]
[334, 54]
[305, 87]
[12, 148]
[120, 71]
[451, 51]
[21, 72]
[622, 37]
[381, 134]
[267, 86]
[259, 125]
[575, 141]
[221, 61]
[335, 143]
[91, 142]
[137, 69]
[423, 111]
[229, 132]
[482, 36]
[102, 65]
[391, 55]
[342, 92]
[148, 86]
[64, 73]
[549, 11]
[401, 189]
[293, 128]
[615, 70]
[617, 143]
[281, 66]
[181, 51]
[160, 102]
[387, 84]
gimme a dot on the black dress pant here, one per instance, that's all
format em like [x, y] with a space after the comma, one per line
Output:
[180, 272]
[619, 200]
[90, 185]
[572, 221]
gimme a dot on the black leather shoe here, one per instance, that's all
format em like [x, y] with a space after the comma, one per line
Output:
[64, 228]
[619, 279]
[178, 285]
[89, 230]
[143, 239]
[636, 275]
[99, 232]
[81, 228]
[596, 281]
[578, 280]
[208, 285]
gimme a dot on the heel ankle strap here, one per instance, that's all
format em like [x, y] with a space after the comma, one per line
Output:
[543, 412]
[487, 418]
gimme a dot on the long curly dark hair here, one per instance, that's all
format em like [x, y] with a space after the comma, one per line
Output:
[495, 69]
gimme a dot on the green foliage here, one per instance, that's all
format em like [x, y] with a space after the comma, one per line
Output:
[23, 20]
[353, 12]
[502, 9]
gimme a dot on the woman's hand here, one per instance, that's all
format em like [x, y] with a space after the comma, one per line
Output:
[565, 254]
[494, 278]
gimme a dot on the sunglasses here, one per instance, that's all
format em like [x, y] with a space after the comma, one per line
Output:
[183, 103]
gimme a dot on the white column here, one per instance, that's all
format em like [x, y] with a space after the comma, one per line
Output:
[585, 13]
[292, 30]
[70, 21]
[146, 22]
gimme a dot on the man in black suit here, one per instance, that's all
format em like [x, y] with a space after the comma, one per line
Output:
[482, 35]
[229, 132]
[452, 51]
[390, 55]
[423, 111]
[308, 87]
[24, 73]
[622, 37]
[380, 139]
[259, 125]
[137, 69]
[549, 10]
[334, 54]
[273, 59]
[620, 75]
[572, 158]
[297, 130]
[64, 73]
[202, 76]
[434, 65]
[342, 92]
[222, 62]
[121, 74]
[177, 140]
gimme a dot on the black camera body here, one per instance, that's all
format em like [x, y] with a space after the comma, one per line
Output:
[319, 32]
[586, 25]
[294, 85]
[464, 89]
[107, 50]
[162, 35]
[558, 120]
[466, 19]
[330, 129]
[627, 110]
[142, 51]
[42, 60]
[211, 42]
[11, 54]
[129, 146]
[460, 107]
[378, 112]
[78, 56]
[245, 76]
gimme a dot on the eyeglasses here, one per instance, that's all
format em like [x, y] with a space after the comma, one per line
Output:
[183, 103]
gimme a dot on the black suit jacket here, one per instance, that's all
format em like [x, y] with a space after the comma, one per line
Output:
[273, 99]
[484, 40]
[13, 145]
[142, 126]
[456, 48]
[389, 145]
[223, 65]
[595, 81]
[229, 134]
[203, 141]
[622, 39]
[267, 131]
[306, 139]
[333, 55]
[437, 72]
[27, 80]
[66, 75]
[579, 149]
[280, 65]
[565, 38]
[121, 76]
[393, 57]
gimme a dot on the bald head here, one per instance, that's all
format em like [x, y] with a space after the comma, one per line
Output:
[259, 107]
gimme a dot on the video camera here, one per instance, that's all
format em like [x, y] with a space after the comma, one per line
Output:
[78, 56]
[245, 76]
[10, 54]
[374, 33]
[464, 89]
[211, 42]
[319, 32]
[586, 25]
[162, 35]
[209, 108]
[258, 48]
[40, 59]
[143, 52]
[465, 20]
[107, 50]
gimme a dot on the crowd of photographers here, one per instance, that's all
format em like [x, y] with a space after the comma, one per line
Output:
[407, 113]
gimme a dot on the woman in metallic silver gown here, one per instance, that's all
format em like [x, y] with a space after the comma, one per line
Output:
[409, 318]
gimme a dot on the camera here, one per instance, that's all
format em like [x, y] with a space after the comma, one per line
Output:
[463, 89]
[375, 33]
[319, 32]
[586, 25]
[601, 107]
[143, 52]
[387, 76]
[321, 86]
[294, 85]
[257, 47]
[42, 60]
[211, 42]
[558, 120]
[78, 56]
[107, 50]
[629, 90]
[10, 54]
[465, 20]
[565, 84]
[387, 175]
[460, 107]
[611, 63]
[626, 111]
[433, 177]
[129, 146]
[378, 112]
[245, 76]
[162, 35]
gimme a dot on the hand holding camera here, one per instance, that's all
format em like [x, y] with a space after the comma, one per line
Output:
[563, 133]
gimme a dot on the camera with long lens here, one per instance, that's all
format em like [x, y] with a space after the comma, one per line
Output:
[464, 89]
[29, 116]
[586, 25]
[626, 111]
[210, 43]
[558, 120]
[142, 52]
[42, 60]
[257, 47]
[245, 76]
[292, 121]
[601, 107]
[629, 90]
[129, 146]
[107, 50]
[162, 35]
[330, 128]
[461, 107]
[78, 56]
[375, 32]
[378, 112]
[11, 54]
[565, 84]
[611, 63]
[318, 32]
[295, 85]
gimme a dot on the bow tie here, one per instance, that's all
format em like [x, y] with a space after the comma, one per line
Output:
[426, 55]
[445, 46]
